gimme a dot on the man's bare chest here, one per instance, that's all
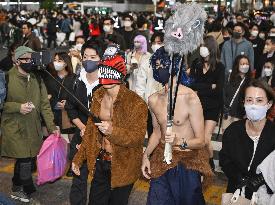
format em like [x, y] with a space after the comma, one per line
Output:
[106, 110]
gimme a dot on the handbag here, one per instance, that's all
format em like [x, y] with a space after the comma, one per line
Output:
[66, 122]
[236, 199]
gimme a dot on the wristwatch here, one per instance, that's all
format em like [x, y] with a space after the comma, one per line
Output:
[184, 145]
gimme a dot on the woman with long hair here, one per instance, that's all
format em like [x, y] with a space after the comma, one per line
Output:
[239, 77]
[62, 70]
[136, 59]
[208, 73]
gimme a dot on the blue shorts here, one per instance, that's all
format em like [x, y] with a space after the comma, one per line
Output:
[177, 186]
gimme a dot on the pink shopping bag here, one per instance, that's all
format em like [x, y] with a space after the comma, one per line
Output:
[52, 159]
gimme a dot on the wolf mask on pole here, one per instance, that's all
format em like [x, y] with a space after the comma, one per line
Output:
[183, 34]
[184, 29]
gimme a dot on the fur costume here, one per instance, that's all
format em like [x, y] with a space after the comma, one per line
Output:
[129, 127]
[195, 160]
[184, 30]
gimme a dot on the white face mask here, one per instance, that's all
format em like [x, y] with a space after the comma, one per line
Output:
[107, 28]
[58, 66]
[137, 45]
[244, 68]
[78, 46]
[127, 23]
[256, 112]
[267, 72]
[156, 47]
[262, 36]
[254, 33]
[204, 52]
[271, 34]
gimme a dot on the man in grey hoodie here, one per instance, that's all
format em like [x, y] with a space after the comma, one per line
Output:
[237, 45]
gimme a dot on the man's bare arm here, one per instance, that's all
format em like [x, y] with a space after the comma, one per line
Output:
[156, 135]
[197, 123]
[152, 144]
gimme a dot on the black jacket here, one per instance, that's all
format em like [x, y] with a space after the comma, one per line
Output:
[258, 47]
[237, 109]
[237, 151]
[210, 98]
[58, 94]
[75, 110]
[262, 60]
[6, 63]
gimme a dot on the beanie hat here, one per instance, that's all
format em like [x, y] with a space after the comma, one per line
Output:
[112, 69]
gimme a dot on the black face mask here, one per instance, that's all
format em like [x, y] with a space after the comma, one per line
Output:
[27, 67]
[226, 38]
[90, 66]
[161, 75]
[237, 35]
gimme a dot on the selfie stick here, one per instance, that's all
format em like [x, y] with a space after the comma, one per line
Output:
[168, 146]
[95, 118]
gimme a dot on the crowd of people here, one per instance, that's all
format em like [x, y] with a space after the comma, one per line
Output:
[117, 67]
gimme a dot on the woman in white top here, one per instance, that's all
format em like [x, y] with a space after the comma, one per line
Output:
[137, 58]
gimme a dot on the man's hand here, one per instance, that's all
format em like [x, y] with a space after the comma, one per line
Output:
[61, 104]
[56, 132]
[75, 169]
[170, 136]
[78, 146]
[145, 168]
[82, 131]
[25, 108]
[105, 127]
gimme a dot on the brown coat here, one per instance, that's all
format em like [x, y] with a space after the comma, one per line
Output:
[129, 127]
[33, 42]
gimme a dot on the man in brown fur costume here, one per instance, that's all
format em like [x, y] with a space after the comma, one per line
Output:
[113, 147]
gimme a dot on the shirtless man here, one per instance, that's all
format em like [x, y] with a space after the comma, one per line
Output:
[117, 141]
[175, 183]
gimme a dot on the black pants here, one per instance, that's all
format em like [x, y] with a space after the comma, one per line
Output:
[52, 38]
[23, 175]
[101, 192]
[78, 193]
